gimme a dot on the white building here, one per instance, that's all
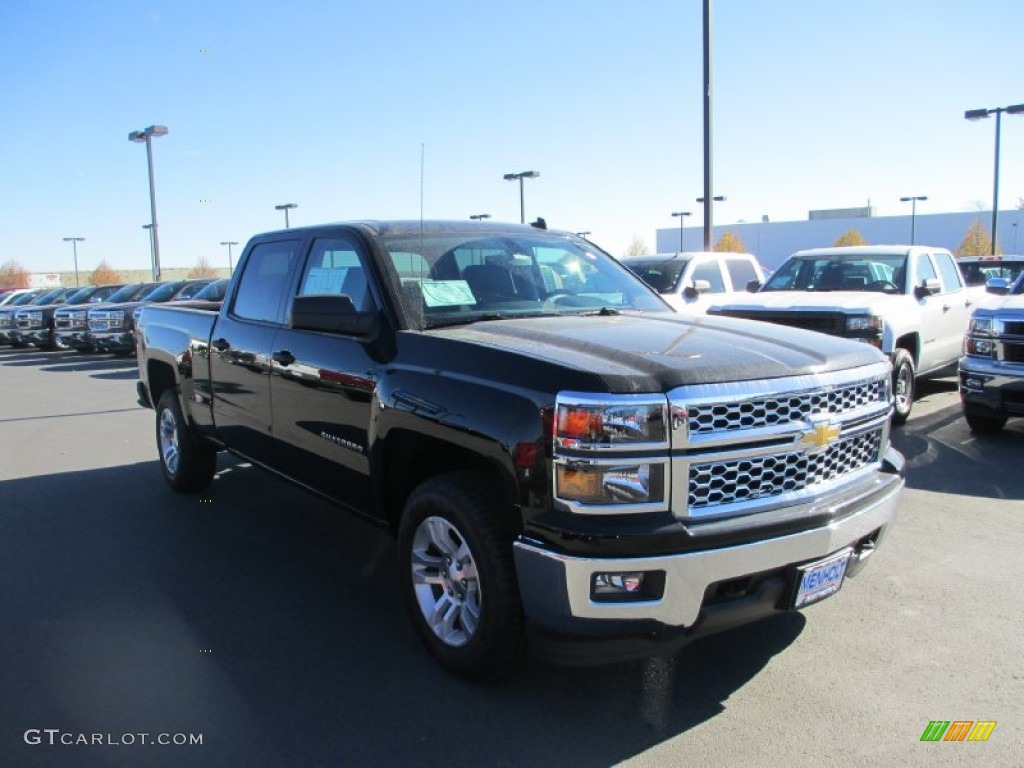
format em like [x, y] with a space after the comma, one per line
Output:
[773, 241]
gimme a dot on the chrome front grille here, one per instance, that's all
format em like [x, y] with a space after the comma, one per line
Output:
[745, 447]
[106, 320]
[29, 319]
[727, 482]
[771, 411]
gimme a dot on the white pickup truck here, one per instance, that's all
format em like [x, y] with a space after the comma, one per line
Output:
[909, 301]
[692, 281]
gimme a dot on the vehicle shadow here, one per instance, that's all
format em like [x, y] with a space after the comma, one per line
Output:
[272, 623]
[943, 455]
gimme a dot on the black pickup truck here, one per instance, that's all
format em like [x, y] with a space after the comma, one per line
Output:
[567, 464]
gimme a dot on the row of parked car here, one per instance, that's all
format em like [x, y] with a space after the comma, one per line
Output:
[914, 303]
[95, 318]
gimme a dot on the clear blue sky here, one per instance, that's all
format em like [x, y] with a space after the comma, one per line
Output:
[327, 104]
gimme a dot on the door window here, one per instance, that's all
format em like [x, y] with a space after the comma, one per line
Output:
[708, 270]
[741, 272]
[262, 286]
[924, 270]
[335, 266]
[951, 280]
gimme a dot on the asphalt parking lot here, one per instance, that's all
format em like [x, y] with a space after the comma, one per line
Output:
[268, 623]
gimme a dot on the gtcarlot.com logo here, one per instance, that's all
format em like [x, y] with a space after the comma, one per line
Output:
[56, 737]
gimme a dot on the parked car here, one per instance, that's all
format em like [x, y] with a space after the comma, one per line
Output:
[992, 368]
[9, 331]
[36, 324]
[565, 463]
[691, 281]
[71, 324]
[112, 327]
[908, 301]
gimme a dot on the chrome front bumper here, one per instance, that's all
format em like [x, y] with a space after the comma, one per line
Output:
[556, 588]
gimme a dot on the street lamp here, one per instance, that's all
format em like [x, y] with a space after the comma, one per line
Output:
[480, 216]
[229, 243]
[913, 211]
[520, 176]
[146, 136]
[981, 114]
[74, 247]
[286, 207]
[682, 217]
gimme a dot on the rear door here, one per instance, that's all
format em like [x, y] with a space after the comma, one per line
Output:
[956, 305]
[241, 346]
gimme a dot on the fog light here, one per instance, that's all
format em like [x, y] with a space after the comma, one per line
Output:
[618, 583]
[973, 383]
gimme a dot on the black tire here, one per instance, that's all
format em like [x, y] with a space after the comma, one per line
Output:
[188, 463]
[458, 580]
[903, 386]
[985, 424]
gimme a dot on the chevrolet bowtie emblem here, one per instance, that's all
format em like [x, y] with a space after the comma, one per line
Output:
[821, 436]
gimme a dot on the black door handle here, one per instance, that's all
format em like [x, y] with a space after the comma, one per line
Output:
[220, 344]
[284, 357]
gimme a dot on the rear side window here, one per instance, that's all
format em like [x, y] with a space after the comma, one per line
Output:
[261, 289]
[950, 274]
[741, 272]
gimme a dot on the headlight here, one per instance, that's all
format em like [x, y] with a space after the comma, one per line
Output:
[863, 323]
[610, 484]
[622, 422]
[980, 325]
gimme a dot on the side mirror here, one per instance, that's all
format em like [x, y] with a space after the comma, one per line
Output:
[753, 286]
[928, 287]
[695, 290]
[1000, 286]
[333, 313]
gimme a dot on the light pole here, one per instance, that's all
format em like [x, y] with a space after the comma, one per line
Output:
[286, 207]
[146, 135]
[520, 176]
[682, 217]
[229, 243]
[913, 211]
[708, 222]
[479, 216]
[74, 247]
[981, 114]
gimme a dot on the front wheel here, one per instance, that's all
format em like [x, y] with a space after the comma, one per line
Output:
[902, 386]
[188, 463]
[984, 424]
[458, 578]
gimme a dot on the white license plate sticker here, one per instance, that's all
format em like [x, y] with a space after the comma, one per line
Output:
[821, 579]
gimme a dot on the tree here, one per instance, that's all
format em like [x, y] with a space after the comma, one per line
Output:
[104, 274]
[850, 237]
[730, 242]
[637, 247]
[977, 241]
[202, 269]
[13, 275]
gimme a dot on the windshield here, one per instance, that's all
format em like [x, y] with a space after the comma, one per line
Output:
[49, 297]
[452, 278]
[850, 272]
[213, 292]
[125, 293]
[159, 292]
[661, 274]
[81, 296]
[980, 272]
[23, 298]
[189, 290]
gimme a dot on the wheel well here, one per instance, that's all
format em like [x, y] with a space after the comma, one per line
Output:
[911, 343]
[410, 458]
[161, 378]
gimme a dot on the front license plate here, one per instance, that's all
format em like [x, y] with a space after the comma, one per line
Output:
[821, 579]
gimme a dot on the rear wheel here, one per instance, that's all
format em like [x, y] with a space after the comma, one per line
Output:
[458, 578]
[902, 386]
[984, 424]
[188, 463]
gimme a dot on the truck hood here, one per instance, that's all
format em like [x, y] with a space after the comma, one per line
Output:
[850, 302]
[1010, 305]
[648, 353]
